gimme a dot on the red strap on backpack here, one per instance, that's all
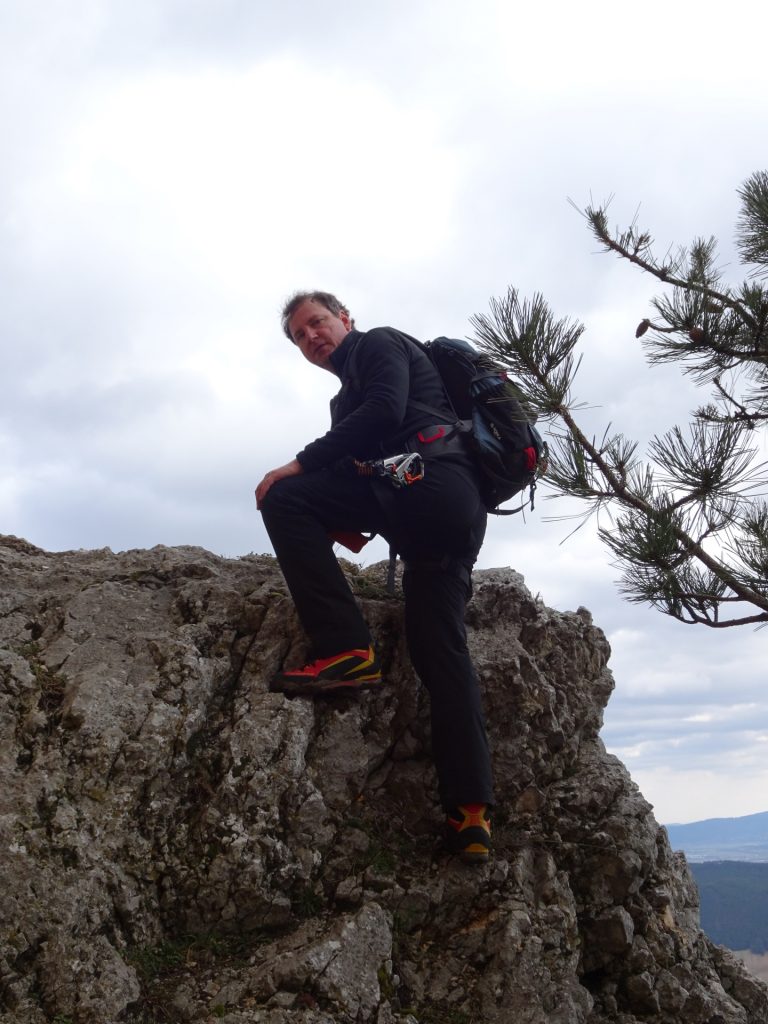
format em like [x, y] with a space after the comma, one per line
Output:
[435, 437]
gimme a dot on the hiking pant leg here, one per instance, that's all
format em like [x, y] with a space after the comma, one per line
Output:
[298, 511]
[435, 600]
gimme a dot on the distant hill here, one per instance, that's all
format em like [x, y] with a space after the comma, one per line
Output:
[729, 860]
[734, 903]
[740, 839]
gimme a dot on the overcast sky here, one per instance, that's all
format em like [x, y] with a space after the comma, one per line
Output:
[173, 169]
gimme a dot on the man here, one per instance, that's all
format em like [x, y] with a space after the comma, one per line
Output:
[391, 401]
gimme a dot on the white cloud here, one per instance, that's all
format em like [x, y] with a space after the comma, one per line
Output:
[680, 795]
[227, 171]
[586, 55]
[722, 713]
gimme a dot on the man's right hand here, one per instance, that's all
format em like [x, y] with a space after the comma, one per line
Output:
[292, 468]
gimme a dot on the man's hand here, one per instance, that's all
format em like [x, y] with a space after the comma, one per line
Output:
[292, 468]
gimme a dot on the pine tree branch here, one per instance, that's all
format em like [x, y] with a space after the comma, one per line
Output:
[691, 537]
[742, 414]
[690, 548]
[618, 488]
[599, 222]
[517, 333]
[697, 619]
[752, 227]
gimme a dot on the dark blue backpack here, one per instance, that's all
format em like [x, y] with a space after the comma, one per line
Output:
[508, 449]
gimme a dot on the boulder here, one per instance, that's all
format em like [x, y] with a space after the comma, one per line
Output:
[179, 844]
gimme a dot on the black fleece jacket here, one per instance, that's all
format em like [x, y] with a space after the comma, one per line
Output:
[381, 370]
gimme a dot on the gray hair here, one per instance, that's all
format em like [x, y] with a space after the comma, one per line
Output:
[331, 303]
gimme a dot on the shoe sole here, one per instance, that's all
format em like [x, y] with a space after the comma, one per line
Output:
[317, 688]
[475, 854]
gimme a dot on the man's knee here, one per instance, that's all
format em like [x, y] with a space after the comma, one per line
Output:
[281, 497]
[435, 601]
[437, 574]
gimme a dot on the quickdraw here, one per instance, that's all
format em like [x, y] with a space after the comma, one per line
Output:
[401, 470]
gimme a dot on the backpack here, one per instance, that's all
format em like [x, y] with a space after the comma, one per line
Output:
[489, 407]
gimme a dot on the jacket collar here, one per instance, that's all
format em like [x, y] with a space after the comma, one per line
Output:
[341, 353]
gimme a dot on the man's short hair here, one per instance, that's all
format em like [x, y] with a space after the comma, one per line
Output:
[331, 303]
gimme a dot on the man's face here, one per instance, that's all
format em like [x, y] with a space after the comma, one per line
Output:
[318, 332]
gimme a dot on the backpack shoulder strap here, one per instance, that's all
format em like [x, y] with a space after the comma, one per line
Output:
[423, 407]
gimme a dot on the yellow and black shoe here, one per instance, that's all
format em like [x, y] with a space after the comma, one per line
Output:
[468, 832]
[342, 673]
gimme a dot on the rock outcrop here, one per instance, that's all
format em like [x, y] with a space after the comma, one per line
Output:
[179, 844]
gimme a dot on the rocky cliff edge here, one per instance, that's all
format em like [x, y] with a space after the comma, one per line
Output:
[179, 844]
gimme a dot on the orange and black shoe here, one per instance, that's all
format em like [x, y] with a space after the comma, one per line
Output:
[468, 832]
[342, 673]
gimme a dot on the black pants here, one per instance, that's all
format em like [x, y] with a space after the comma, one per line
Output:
[437, 525]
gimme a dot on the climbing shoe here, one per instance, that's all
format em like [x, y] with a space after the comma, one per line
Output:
[341, 673]
[468, 832]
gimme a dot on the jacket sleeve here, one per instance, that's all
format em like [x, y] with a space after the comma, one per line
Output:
[383, 375]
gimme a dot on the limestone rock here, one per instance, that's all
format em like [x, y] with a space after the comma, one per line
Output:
[179, 844]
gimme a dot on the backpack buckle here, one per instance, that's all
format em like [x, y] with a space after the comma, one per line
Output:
[439, 432]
